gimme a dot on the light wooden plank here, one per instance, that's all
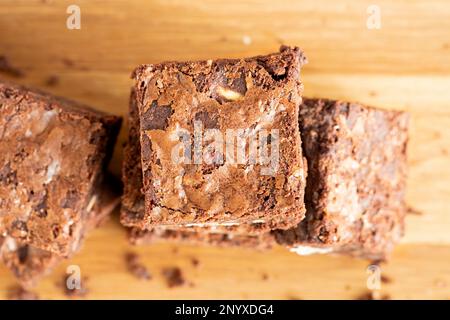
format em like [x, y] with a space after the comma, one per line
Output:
[116, 35]
[415, 271]
[404, 65]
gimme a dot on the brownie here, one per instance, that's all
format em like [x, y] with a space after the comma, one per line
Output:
[28, 263]
[133, 200]
[52, 155]
[356, 179]
[355, 186]
[220, 142]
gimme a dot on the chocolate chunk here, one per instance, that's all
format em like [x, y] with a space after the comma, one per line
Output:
[208, 120]
[7, 175]
[156, 117]
[41, 207]
[22, 254]
[70, 200]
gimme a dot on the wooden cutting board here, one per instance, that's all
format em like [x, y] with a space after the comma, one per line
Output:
[403, 65]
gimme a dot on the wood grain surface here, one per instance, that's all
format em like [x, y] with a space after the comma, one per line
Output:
[403, 65]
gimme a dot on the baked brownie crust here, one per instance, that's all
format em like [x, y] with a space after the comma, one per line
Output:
[52, 155]
[248, 95]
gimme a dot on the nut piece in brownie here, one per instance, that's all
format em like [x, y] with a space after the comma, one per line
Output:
[52, 156]
[29, 264]
[356, 179]
[220, 143]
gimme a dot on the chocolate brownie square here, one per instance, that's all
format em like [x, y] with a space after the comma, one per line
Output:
[29, 264]
[52, 156]
[355, 186]
[356, 179]
[220, 143]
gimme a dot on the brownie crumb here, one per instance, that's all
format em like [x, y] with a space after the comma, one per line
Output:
[385, 279]
[413, 211]
[52, 81]
[173, 276]
[135, 266]
[195, 262]
[68, 63]
[265, 276]
[75, 293]
[175, 250]
[373, 295]
[19, 293]
[293, 297]
[7, 68]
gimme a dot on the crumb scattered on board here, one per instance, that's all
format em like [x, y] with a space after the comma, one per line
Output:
[373, 295]
[19, 293]
[195, 262]
[174, 277]
[386, 279]
[413, 211]
[7, 68]
[52, 81]
[135, 266]
[265, 276]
